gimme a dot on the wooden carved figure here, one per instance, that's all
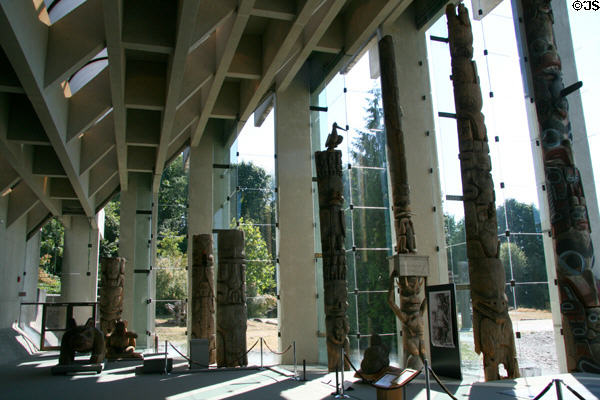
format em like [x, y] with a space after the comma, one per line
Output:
[82, 339]
[577, 285]
[203, 294]
[492, 327]
[120, 343]
[111, 292]
[333, 233]
[232, 313]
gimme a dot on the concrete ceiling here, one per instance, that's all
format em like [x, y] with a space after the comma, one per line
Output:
[91, 90]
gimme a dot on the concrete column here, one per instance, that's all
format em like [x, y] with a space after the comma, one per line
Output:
[581, 148]
[28, 292]
[410, 49]
[79, 278]
[12, 260]
[200, 204]
[221, 185]
[135, 244]
[297, 277]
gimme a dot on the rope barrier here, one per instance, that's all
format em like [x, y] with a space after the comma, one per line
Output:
[246, 353]
[275, 352]
[558, 382]
[194, 362]
[444, 388]
[580, 397]
[543, 392]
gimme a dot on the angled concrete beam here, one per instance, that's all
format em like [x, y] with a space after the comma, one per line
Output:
[37, 218]
[23, 37]
[186, 23]
[24, 126]
[107, 192]
[97, 142]
[113, 22]
[141, 159]
[263, 110]
[60, 188]
[247, 61]
[284, 10]
[72, 41]
[8, 176]
[102, 172]
[360, 21]
[20, 201]
[199, 68]
[19, 158]
[211, 15]
[280, 40]
[143, 127]
[149, 25]
[228, 37]
[188, 113]
[89, 104]
[46, 162]
[145, 84]
[227, 105]
[316, 27]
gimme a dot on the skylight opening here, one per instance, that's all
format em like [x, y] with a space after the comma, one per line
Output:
[86, 73]
[57, 9]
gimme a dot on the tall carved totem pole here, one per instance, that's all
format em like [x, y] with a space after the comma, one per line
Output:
[333, 234]
[203, 294]
[578, 293]
[412, 298]
[232, 314]
[492, 327]
[111, 292]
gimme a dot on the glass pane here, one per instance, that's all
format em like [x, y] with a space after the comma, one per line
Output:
[372, 269]
[367, 148]
[368, 232]
[369, 187]
[375, 315]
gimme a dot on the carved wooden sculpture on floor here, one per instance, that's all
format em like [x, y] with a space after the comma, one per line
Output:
[412, 298]
[111, 292]
[492, 328]
[203, 294]
[82, 339]
[333, 233]
[120, 343]
[231, 300]
[578, 293]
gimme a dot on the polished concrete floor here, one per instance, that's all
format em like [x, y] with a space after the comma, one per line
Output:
[28, 376]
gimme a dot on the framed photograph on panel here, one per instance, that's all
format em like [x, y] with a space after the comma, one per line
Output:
[443, 330]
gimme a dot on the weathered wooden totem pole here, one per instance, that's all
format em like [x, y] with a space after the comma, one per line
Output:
[333, 234]
[111, 292]
[577, 285]
[231, 300]
[203, 294]
[412, 299]
[492, 327]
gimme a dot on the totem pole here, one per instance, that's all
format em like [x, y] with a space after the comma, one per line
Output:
[333, 234]
[231, 300]
[492, 327]
[111, 292]
[203, 294]
[578, 292]
[412, 299]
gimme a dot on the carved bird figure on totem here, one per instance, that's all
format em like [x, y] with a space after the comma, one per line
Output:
[333, 140]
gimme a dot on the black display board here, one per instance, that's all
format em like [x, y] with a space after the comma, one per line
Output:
[443, 330]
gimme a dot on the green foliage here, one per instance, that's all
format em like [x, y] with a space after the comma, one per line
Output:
[48, 282]
[171, 281]
[172, 201]
[109, 245]
[51, 246]
[371, 227]
[169, 245]
[260, 270]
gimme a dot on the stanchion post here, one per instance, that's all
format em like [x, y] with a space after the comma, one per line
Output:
[295, 370]
[342, 369]
[557, 383]
[166, 355]
[155, 343]
[261, 352]
[427, 388]
[304, 370]
[337, 385]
